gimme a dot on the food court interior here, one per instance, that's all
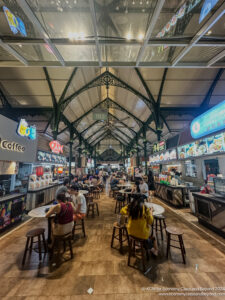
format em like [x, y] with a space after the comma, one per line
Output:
[112, 149]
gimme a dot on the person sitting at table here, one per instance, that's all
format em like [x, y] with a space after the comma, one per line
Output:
[79, 202]
[63, 189]
[140, 219]
[114, 183]
[143, 187]
[63, 221]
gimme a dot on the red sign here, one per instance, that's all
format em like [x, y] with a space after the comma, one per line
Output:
[56, 147]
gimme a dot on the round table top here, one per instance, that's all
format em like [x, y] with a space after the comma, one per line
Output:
[157, 209]
[125, 192]
[124, 185]
[84, 192]
[39, 212]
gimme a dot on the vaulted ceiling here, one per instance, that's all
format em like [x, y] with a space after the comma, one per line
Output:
[150, 79]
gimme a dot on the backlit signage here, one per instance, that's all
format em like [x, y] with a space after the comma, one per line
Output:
[15, 23]
[206, 8]
[11, 146]
[159, 146]
[56, 147]
[164, 156]
[211, 121]
[206, 146]
[26, 131]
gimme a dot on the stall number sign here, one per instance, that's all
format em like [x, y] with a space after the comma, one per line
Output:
[160, 146]
[100, 115]
[15, 23]
[211, 121]
[25, 130]
[11, 146]
[56, 147]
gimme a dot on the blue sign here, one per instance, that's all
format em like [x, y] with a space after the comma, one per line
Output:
[15, 23]
[206, 8]
[211, 121]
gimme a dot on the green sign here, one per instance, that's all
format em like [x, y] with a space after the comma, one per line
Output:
[159, 146]
[100, 115]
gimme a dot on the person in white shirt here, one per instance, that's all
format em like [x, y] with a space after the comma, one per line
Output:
[79, 202]
[143, 187]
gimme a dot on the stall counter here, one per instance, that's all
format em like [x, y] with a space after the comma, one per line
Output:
[11, 209]
[175, 195]
[210, 211]
[41, 196]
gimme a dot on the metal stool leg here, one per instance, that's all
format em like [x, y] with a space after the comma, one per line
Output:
[25, 251]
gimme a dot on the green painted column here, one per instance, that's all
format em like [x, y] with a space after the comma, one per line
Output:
[145, 150]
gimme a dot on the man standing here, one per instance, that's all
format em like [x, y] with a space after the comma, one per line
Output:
[63, 189]
[143, 188]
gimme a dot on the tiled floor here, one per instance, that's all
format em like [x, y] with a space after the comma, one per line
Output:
[105, 270]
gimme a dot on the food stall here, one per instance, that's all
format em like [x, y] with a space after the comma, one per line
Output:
[210, 208]
[42, 186]
[174, 194]
[18, 146]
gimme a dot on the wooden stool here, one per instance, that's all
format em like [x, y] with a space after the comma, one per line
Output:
[37, 232]
[133, 242]
[78, 226]
[115, 193]
[122, 231]
[177, 232]
[96, 194]
[120, 202]
[91, 207]
[159, 224]
[62, 238]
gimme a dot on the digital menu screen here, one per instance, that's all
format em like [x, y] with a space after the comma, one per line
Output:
[213, 144]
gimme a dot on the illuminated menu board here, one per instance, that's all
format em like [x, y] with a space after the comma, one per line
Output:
[209, 122]
[46, 157]
[164, 156]
[210, 145]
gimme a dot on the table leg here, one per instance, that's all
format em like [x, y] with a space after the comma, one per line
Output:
[49, 230]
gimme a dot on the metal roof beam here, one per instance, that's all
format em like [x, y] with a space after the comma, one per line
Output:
[68, 84]
[154, 18]
[216, 58]
[96, 132]
[205, 102]
[4, 100]
[34, 20]
[107, 79]
[173, 42]
[131, 115]
[94, 22]
[84, 115]
[145, 85]
[201, 32]
[119, 139]
[13, 52]
[54, 101]
[102, 136]
[89, 127]
[125, 125]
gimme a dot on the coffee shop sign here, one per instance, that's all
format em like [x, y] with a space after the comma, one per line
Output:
[26, 131]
